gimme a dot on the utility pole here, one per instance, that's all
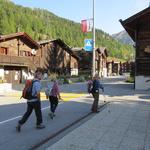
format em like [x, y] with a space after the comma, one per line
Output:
[93, 65]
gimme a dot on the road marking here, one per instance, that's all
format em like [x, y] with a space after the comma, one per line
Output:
[8, 120]
[45, 108]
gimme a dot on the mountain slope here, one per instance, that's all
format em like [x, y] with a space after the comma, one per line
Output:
[123, 37]
[41, 24]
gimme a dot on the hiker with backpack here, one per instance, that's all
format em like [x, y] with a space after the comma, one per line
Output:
[33, 101]
[53, 94]
[95, 92]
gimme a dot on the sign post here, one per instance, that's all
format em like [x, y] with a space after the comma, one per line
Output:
[93, 67]
[86, 26]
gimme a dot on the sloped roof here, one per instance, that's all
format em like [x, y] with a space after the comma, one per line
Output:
[114, 59]
[77, 49]
[138, 20]
[24, 37]
[103, 51]
[62, 44]
[44, 42]
[66, 47]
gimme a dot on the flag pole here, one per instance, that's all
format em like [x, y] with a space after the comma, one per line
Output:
[93, 65]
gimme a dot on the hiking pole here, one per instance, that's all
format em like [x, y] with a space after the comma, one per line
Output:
[104, 96]
[61, 100]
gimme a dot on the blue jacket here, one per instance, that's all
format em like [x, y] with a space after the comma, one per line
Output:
[97, 85]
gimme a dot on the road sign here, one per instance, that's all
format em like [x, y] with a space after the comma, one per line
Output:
[88, 45]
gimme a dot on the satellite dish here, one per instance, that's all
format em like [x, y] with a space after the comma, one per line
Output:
[33, 52]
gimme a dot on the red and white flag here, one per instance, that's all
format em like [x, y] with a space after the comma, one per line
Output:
[87, 25]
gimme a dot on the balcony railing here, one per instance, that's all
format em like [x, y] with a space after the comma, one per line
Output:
[19, 60]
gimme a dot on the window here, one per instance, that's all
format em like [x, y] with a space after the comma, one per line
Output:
[75, 65]
[25, 53]
[21, 53]
[4, 50]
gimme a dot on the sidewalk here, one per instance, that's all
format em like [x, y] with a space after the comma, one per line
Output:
[122, 125]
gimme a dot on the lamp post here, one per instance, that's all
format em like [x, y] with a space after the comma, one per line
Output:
[93, 65]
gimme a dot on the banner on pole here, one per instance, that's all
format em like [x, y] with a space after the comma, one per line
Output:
[87, 25]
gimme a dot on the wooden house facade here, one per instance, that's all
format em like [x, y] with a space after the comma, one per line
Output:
[101, 55]
[116, 67]
[57, 57]
[109, 68]
[127, 67]
[17, 57]
[113, 68]
[85, 63]
[138, 27]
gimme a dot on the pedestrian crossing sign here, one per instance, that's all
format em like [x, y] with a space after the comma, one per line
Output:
[88, 45]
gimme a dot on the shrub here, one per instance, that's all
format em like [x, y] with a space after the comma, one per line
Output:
[130, 79]
[52, 76]
[81, 79]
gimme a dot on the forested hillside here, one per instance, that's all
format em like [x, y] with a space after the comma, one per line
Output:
[41, 24]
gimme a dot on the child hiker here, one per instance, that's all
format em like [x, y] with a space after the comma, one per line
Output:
[54, 95]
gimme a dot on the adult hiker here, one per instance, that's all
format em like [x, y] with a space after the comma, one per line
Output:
[34, 103]
[95, 92]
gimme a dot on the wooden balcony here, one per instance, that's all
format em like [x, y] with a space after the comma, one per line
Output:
[29, 62]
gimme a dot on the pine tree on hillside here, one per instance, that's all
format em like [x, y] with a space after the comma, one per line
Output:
[41, 24]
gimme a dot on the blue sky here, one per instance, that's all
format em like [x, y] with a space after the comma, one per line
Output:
[107, 12]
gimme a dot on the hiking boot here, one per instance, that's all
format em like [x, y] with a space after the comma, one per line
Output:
[18, 127]
[97, 111]
[40, 126]
[51, 115]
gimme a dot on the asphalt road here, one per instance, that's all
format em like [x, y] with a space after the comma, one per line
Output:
[67, 113]
[11, 109]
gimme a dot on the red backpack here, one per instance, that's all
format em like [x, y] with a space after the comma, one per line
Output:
[27, 91]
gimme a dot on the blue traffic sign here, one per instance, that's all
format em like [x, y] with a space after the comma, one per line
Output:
[88, 45]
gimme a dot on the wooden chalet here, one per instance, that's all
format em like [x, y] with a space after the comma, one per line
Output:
[57, 57]
[113, 67]
[117, 67]
[85, 63]
[101, 61]
[109, 68]
[127, 67]
[17, 57]
[138, 27]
